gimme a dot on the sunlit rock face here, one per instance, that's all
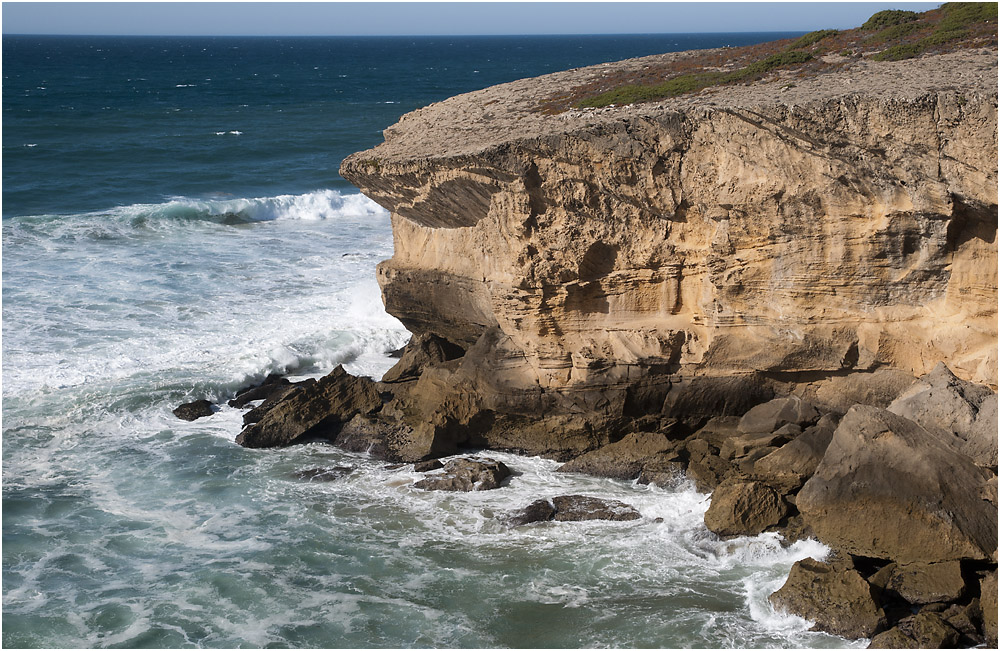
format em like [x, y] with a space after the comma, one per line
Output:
[613, 257]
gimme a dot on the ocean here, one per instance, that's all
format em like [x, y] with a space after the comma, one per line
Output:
[174, 228]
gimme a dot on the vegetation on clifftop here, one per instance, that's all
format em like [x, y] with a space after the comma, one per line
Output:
[889, 35]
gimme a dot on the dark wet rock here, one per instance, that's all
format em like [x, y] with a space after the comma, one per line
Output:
[271, 385]
[323, 474]
[396, 354]
[921, 583]
[741, 508]
[967, 620]
[537, 511]
[276, 393]
[988, 601]
[424, 350]
[393, 466]
[837, 599]
[664, 475]
[768, 417]
[925, 630]
[573, 508]
[887, 488]
[467, 475]
[427, 466]
[626, 458]
[194, 410]
[313, 410]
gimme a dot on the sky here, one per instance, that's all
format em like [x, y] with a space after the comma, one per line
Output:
[432, 18]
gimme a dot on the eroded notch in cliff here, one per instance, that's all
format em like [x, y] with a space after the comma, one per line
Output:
[970, 221]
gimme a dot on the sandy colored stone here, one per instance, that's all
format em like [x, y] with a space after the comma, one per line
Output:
[988, 602]
[624, 459]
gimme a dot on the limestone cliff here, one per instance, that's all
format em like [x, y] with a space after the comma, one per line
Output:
[693, 255]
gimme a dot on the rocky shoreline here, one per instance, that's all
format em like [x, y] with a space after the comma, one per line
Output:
[786, 294]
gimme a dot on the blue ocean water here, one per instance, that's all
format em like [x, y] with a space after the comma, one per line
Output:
[174, 227]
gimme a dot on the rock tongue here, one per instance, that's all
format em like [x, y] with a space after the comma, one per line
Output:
[310, 409]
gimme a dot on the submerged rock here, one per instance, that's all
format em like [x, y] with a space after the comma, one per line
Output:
[194, 410]
[324, 474]
[427, 466]
[574, 508]
[836, 598]
[467, 475]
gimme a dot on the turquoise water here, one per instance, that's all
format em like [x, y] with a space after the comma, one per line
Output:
[173, 228]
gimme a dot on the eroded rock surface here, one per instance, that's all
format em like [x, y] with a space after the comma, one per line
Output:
[574, 508]
[837, 599]
[887, 488]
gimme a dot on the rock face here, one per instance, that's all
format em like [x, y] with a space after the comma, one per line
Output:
[614, 261]
[887, 488]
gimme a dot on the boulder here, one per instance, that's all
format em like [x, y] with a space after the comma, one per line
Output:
[769, 416]
[537, 511]
[877, 389]
[923, 583]
[271, 385]
[718, 430]
[966, 619]
[574, 508]
[941, 403]
[313, 409]
[425, 349]
[886, 488]
[791, 465]
[740, 446]
[194, 410]
[988, 602]
[626, 458]
[836, 598]
[427, 466]
[709, 472]
[744, 508]
[925, 630]
[467, 475]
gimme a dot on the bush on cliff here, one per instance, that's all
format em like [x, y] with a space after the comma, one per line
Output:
[888, 18]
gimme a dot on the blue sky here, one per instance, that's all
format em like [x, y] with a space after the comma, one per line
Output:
[369, 18]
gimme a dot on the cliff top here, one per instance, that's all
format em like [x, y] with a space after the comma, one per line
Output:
[528, 108]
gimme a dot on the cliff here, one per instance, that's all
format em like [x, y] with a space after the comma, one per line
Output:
[694, 256]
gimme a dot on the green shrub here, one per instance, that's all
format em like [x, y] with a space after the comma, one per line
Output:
[900, 52]
[941, 37]
[958, 15]
[770, 63]
[812, 38]
[896, 31]
[888, 18]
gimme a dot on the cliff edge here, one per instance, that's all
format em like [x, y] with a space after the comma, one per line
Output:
[697, 254]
